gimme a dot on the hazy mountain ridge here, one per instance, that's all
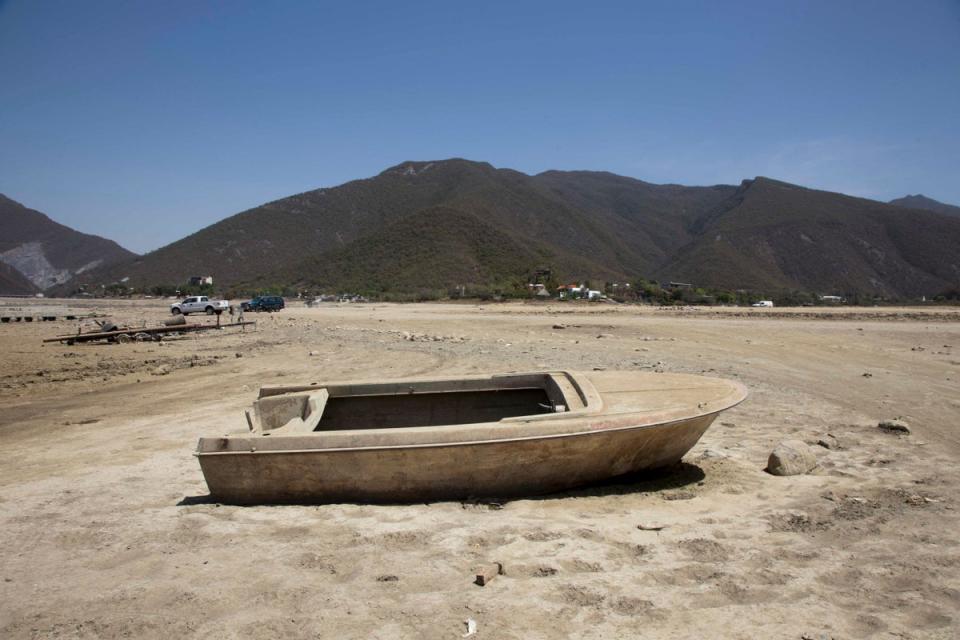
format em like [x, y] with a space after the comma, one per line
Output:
[919, 201]
[439, 224]
[48, 253]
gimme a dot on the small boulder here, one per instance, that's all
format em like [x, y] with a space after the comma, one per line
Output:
[791, 458]
[829, 441]
[314, 353]
[895, 426]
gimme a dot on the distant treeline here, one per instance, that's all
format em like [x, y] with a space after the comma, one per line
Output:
[638, 291]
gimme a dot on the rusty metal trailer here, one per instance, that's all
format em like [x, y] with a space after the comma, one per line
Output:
[155, 333]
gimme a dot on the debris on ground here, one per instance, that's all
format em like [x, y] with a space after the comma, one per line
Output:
[828, 441]
[487, 572]
[897, 425]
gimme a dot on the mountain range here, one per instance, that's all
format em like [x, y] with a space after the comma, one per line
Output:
[923, 202]
[38, 253]
[433, 225]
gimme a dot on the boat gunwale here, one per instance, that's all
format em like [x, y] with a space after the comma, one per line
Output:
[738, 391]
[430, 445]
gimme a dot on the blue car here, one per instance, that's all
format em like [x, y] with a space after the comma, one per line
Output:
[263, 303]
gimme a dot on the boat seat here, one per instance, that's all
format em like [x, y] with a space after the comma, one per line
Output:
[562, 393]
[288, 413]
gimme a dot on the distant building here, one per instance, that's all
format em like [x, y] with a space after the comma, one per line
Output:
[198, 281]
[538, 290]
[572, 291]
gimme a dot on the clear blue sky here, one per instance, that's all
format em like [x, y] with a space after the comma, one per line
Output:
[145, 121]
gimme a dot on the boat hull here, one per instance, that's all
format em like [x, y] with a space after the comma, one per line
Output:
[513, 467]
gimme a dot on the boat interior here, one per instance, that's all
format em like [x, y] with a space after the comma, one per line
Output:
[428, 403]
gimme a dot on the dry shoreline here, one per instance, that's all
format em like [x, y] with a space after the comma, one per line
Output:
[108, 534]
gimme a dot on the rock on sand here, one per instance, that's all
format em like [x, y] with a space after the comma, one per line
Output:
[895, 426]
[829, 441]
[791, 458]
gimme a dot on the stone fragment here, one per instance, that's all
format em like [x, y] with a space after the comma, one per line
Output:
[894, 426]
[829, 441]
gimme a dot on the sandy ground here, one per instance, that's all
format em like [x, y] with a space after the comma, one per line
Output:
[107, 532]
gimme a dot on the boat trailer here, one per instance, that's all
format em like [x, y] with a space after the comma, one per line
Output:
[127, 334]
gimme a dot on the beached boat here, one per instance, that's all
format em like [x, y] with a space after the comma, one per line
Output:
[459, 437]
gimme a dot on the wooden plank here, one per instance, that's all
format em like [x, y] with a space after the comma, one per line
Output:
[487, 572]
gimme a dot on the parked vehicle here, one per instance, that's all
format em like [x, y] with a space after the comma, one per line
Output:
[763, 303]
[199, 304]
[263, 303]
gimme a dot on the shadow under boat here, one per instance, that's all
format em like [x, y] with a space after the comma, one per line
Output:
[678, 476]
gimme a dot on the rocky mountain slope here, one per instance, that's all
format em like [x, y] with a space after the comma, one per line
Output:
[774, 235]
[48, 253]
[12, 282]
[923, 202]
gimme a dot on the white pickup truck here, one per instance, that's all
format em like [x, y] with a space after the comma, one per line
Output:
[199, 304]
